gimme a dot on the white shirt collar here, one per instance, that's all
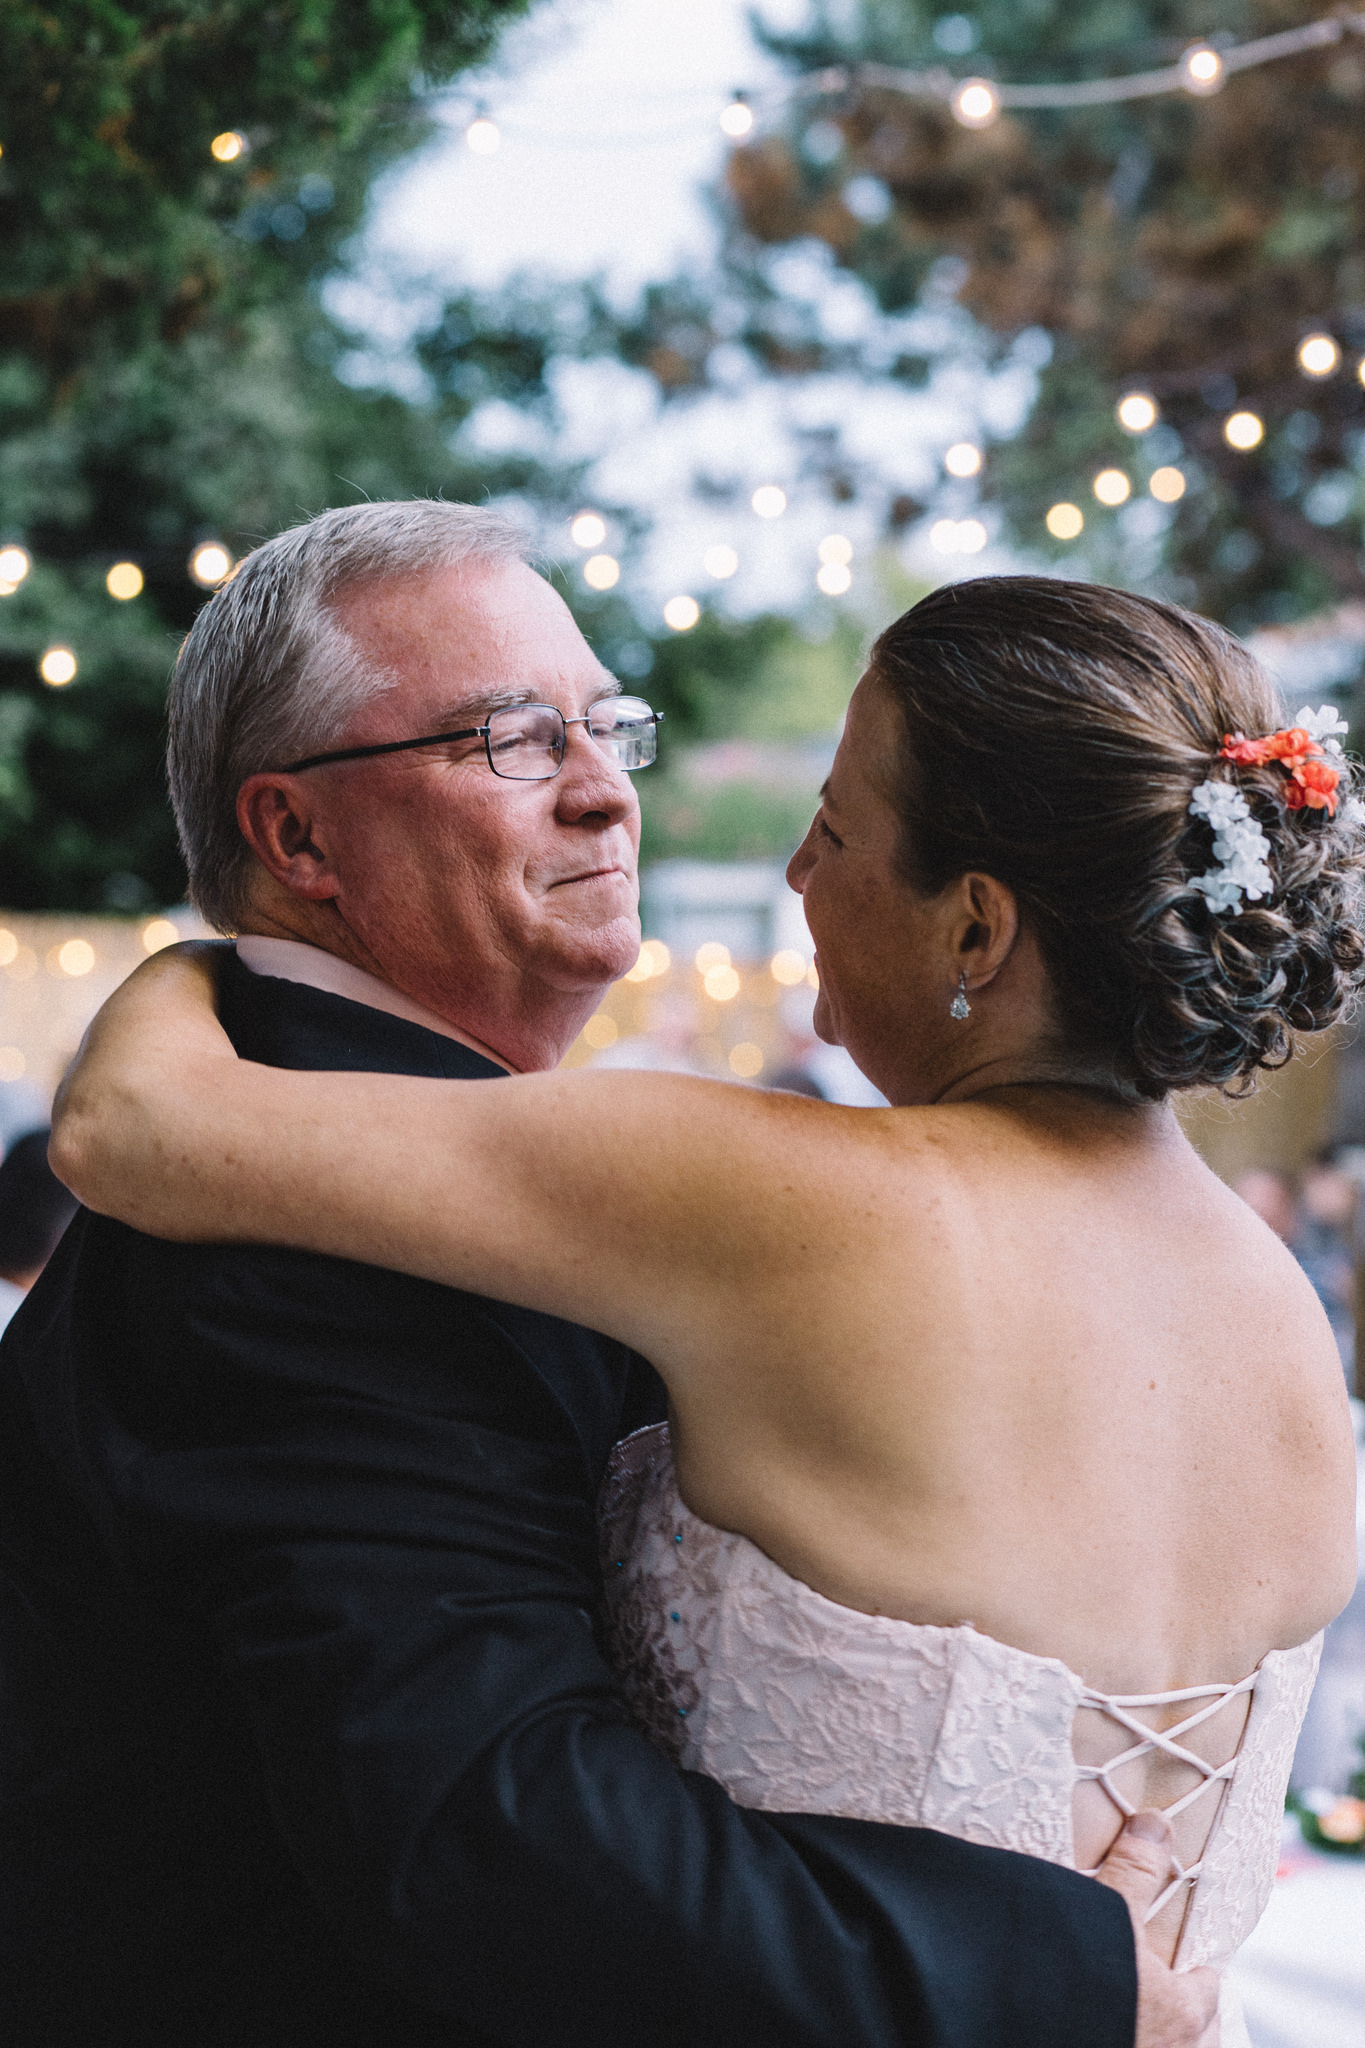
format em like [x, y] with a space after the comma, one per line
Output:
[295, 960]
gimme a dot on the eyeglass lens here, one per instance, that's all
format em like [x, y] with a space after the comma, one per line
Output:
[526, 741]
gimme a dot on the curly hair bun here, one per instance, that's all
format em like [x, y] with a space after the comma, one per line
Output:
[1064, 728]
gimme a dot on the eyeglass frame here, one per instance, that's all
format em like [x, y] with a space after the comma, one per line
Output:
[475, 732]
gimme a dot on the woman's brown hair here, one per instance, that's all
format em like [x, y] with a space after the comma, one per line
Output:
[1054, 735]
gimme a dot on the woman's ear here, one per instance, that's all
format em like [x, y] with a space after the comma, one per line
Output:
[986, 927]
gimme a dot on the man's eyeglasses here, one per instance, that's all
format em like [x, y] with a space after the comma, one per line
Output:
[527, 742]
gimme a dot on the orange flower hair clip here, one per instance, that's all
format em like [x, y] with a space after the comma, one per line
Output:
[1302, 750]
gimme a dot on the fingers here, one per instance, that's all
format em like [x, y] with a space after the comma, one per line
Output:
[1138, 1865]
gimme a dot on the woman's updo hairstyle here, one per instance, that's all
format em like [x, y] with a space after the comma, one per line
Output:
[1054, 734]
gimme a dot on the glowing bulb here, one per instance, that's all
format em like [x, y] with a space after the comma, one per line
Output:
[711, 955]
[738, 117]
[14, 566]
[124, 580]
[720, 562]
[228, 146]
[962, 459]
[76, 957]
[833, 578]
[588, 531]
[769, 501]
[1111, 487]
[788, 967]
[483, 136]
[835, 547]
[600, 572]
[1137, 412]
[975, 103]
[1201, 69]
[210, 564]
[1243, 430]
[1166, 485]
[746, 1060]
[1318, 355]
[158, 932]
[1065, 521]
[58, 667]
[682, 613]
[721, 984]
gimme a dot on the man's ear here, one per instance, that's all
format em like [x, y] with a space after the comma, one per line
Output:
[987, 927]
[278, 823]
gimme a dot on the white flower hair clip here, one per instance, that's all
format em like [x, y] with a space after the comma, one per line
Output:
[1240, 848]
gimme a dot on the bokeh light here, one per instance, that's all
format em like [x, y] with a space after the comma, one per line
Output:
[1202, 69]
[1167, 484]
[75, 958]
[720, 561]
[737, 119]
[1112, 487]
[601, 572]
[14, 566]
[962, 459]
[721, 984]
[1318, 355]
[124, 580]
[210, 564]
[746, 1060]
[9, 946]
[712, 954]
[58, 667]
[158, 932]
[769, 501]
[1137, 412]
[834, 578]
[589, 530]
[682, 613]
[601, 1031]
[1065, 521]
[1243, 430]
[975, 103]
[835, 547]
[228, 146]
[654, 960]
[483, 136]
[788, 967]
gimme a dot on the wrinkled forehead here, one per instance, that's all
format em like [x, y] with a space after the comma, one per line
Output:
[468, 639]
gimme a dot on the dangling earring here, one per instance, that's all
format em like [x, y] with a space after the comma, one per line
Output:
[959, 1006]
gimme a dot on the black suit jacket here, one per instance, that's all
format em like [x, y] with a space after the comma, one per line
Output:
[306, 1740]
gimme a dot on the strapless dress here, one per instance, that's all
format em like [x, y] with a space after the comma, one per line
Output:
[799, 1705]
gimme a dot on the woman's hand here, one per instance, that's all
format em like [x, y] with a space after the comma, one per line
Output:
[154, 1055]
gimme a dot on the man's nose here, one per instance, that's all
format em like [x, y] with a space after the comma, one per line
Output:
[590, 781]
[798, 867]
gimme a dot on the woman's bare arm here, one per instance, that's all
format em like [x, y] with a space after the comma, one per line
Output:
[653, 1207]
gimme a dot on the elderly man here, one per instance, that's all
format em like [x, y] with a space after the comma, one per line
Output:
[308, 1742]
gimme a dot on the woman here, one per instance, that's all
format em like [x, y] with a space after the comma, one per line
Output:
[995, 1416]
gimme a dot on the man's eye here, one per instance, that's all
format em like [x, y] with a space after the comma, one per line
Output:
[832, 837]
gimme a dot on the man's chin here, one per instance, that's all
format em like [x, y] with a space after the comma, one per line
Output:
[592, 955]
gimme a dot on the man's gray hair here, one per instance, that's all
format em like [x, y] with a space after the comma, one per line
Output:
[268, 673]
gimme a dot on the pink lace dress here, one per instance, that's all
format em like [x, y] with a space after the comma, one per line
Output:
[797, 1704]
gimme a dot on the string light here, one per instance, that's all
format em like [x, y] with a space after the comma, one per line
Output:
[1112, 487]
[720, 561]
[769, 501]
[975, 103]
[962, 459]
[601, 572]
[124, 580]
[588, 530]
[738, 117]
[835, 547]
[1065, 521]
[1243, 430]
[1201, 69]
[14, 566]
[1137, 412]
[1318, 355]
[682, 613]
[1166, 485]
[483, 136]
[229, 146]
[210, 564]
[834, 578]
[58, 667]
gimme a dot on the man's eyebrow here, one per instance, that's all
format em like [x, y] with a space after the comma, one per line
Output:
[475, 709]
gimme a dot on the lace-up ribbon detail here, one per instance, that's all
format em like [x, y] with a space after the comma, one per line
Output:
[1121, 1708]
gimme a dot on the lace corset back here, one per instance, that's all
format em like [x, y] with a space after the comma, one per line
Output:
[797, 1704]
